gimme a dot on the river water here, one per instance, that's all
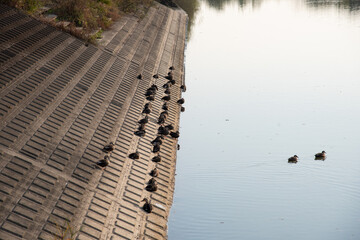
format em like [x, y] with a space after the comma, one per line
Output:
[268, 79]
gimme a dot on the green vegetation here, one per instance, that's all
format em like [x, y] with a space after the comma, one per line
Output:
[87, 18]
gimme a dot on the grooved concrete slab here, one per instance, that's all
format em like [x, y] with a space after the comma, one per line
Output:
[61, 102]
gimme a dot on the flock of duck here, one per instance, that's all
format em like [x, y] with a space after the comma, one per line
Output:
[318, 156]
[164, 130]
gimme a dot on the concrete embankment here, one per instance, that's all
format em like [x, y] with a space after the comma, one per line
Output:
[61, 102]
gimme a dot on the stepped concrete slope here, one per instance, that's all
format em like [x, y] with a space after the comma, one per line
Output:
[61, 102]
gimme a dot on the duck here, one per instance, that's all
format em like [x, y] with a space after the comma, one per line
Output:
[320, 156]
[140, 76]
[154, 172]
[167, 91]
[148, 105]
[171, 81]
[150, 98]
[109, 148]
[166, 85]
[144, 120]
[134, 155]
[151, 187]
[182, 109]
[180, 101]
[183, 88]
[169, 76]
[157, 140]
[163, 131]
[152, 181]
[166, 98]
[169, 127]
[142, 127]
[293, 159]
[103, 163]
[150, 92]
[140, 133]
[178, 147]
[156, 76]
[156, 159]
[172, 68]
[175, 134]
[146, 111]
[154, 86]
[147, 205]
[161, 120]
[165, 106]
[156, 148]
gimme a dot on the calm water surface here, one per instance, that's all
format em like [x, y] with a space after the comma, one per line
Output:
[266, 80]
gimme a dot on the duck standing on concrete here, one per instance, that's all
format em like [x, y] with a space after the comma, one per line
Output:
[156, 76]
[142, 127]
[103, 163]
[154, 172]
[182, 109]
[181, 101]
[172, 68]
[152, 181]
[170, 127]
[144, 120]
[183, 88]
[140, 133]
[167, 91]
[293, 159]
[109, 148]
[147, 205]
[150, 98]
[134, 155]
[175, 134]
[156, 148]
[156, 159]
[157, 140]
[165, 106]
[320, 156]
[151, 187]
[166, 98]
[140, 77]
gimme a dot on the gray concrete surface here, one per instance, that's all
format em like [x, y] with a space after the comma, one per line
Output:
[61, 102]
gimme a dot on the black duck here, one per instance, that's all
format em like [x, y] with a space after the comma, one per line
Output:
[293, 159]
[140, 133]
[144, 120]
[165, 106]
[156, 148]
[147, 205]
[175, 134]
[156, 159]
[140, 76]
[103, 163]
[180, 101]
[182, 109]
[150, 98]
[156, 76]
[183, 88]
[134, 155]
[154, 172]
[151, 187]
[166, 98]
[167, 91]
[108, 148]
[152, 181]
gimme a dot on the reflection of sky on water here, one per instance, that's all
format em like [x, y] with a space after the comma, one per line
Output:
[266, 80]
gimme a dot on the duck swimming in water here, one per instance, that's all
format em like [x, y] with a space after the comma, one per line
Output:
[147, 205]
[293, 159]
[103, 163]
[108, 148]
[320, 156]
[154, 172]
[134, 155]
